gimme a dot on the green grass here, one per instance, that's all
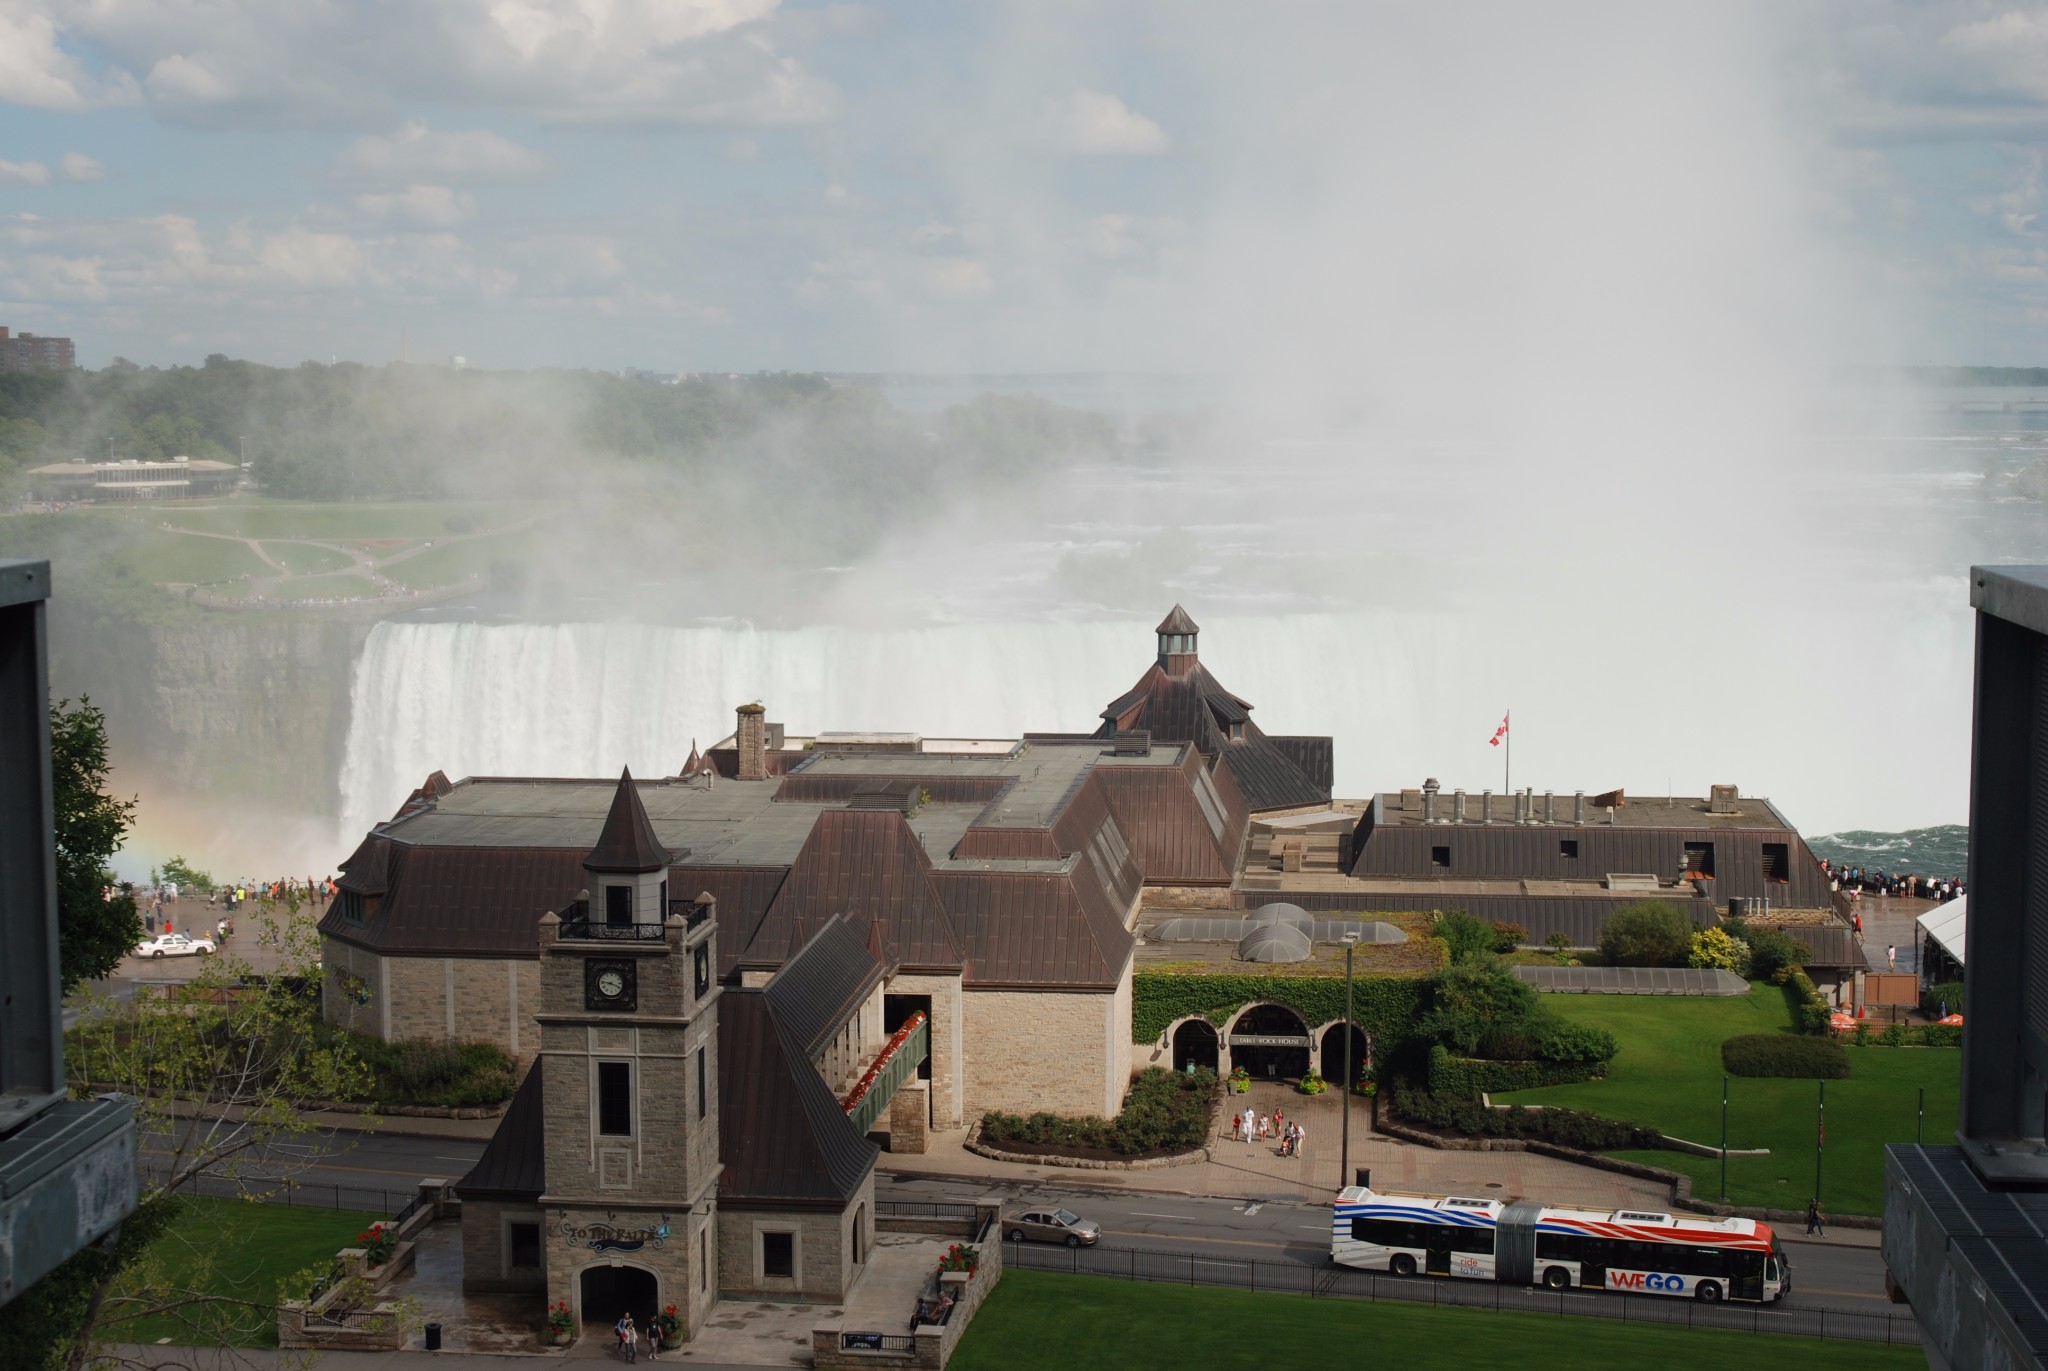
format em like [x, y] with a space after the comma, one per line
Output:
[248, 517]
[345, 586]
[1668, 1077]
[158, 555]
[305, 559]
[233, 1250]
[448, 563]
[1037, 1319]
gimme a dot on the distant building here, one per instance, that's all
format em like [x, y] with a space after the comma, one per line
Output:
[132, 479]
[28, 352]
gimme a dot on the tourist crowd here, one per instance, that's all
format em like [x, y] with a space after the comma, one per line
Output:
[1859, 881]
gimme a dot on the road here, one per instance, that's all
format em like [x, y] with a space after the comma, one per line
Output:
[1283, 1231]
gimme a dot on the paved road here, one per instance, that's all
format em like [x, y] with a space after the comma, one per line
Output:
[1825, 1276]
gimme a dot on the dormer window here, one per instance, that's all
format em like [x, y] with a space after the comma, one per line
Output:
[1237, 732]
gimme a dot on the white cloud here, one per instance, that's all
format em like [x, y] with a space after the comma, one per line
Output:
[24, 174]
[416, 155]
[435, 207]
[76, 166]
[1089, 123]
[36, 71]
[958, 278]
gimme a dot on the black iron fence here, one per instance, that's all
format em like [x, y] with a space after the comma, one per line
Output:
[899, 1343]
[307, 1194]
[1325, 1280]
[912, 1209]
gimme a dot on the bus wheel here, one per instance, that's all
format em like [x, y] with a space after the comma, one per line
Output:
[1402, 1264]
[1557, 1278]
[1708, 1293]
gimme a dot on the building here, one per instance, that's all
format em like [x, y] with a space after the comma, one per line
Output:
[30, 352]
[134, 479]
[1966, 1223]
[679, 1140]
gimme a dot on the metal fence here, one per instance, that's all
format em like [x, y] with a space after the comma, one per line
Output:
[305, 1194]
[912, 1209]
[877, 1342]
[1325, 1280]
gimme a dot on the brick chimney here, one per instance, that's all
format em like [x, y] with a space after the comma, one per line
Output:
[751, 737]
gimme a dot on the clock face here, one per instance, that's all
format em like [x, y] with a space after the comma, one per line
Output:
[609, 984]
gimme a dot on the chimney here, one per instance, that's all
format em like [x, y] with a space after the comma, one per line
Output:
[1578, 806]
[1550, 806]
[1521, 806]
[1429, 790]
[1486, 806]
[751, 737]
[1458, 806]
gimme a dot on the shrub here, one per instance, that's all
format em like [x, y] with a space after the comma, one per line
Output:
[1942, 1035]
[1473, 998]
[1770, 949]
[1720, 950]
[1809, 1010]
[1466, 937]
[1785, 1054]
[1948, 993]
[1646, 933]
[1466, 1077]
[1508, 937]
[1564, 1127]
[1164, 1111]
[1894, 1035]
[416, 1071]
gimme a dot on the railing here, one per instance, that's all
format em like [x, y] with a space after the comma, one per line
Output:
[913, 1209]
[900, 1065]
[901, 1344]
[1343, 1282]
[693, 914]
[589, 930]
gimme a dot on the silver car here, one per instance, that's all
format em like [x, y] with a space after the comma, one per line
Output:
[1053, 1225]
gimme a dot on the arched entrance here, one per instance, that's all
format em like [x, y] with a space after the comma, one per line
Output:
[1195, 1045]
[1333, 1053]
[1271, 1042]
[609, 1291]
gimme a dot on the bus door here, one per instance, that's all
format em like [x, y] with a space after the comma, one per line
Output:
[1438, 1261]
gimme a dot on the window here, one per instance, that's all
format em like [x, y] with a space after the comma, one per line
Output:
[1237, 733]
[615, 1099]
[778, 1255]
[524, 1241]
[618, 904]
[1777, 862]
[703, 1086]
[351, 907]
[1699, 860]
[1568, 848]
[1440, 858]
[703, 970]
[664, 899]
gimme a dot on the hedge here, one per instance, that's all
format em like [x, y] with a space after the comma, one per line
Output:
[1809, 1010]
[1384, 1006]
[1565, 1127]
[1785, 1054]
[1467, 1077]
[1164, 1111]
[1948, 993]
[420, 1071]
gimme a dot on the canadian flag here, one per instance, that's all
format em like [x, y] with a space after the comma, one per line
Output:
[1501, 732]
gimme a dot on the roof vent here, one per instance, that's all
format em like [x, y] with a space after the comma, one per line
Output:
[1132, 742]
[1721, 799]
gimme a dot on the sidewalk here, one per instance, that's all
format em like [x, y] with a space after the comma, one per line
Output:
[1237, 1170]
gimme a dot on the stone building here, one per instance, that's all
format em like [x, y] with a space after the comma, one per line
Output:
[677, 1140]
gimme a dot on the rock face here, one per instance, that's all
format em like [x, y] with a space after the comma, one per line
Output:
[240, 712]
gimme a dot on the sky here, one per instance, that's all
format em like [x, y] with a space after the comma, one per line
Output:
[1179, 186]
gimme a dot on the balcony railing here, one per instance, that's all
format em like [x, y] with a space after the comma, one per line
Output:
[897, 1063]
[582, 929]
[693, 914]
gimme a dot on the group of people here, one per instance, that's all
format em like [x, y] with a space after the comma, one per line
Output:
[1252, 1126]
[631, 1338]
[1860, 881]
[311, 890]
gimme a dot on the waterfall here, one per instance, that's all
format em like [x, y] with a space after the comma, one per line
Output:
[1406, 694]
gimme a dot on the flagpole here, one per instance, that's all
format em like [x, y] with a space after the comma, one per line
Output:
[1507, 761]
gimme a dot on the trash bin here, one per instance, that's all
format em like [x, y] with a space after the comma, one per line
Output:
[1364, 1177]
[433, 1337]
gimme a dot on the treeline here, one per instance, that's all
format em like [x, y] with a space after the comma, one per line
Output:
[350, 432]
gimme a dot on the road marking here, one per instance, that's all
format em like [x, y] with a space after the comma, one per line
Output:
[1252, 1207]
[1314, 1227]
[1144, 1214]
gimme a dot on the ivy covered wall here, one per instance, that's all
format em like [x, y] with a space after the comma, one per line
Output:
[1384, 1006]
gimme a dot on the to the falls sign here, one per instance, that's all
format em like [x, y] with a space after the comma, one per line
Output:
[610, 1237]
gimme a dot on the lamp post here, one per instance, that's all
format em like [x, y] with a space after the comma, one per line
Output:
[1724, 1140]
[1344, 1165]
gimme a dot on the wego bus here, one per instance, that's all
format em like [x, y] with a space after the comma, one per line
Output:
[1531, 1244]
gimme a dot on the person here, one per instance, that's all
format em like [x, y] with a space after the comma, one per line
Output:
[1891, 957]
[1814, 1219]
[653, 1320]
[1236, 1124]
[629, 1338]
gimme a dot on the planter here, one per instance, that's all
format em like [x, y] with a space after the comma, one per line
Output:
[562, 1337]
[955, 1280]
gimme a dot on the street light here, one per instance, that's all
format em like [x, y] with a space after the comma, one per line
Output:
[1344, 1166]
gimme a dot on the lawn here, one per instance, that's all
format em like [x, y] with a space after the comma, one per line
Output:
[1668, 1077]
[235, 1250]
[449, 563]
[307, 559]
[159, 555]
[342, 586]
[1037, 1319]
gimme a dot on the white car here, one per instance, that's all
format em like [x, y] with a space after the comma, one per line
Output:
[174, 945]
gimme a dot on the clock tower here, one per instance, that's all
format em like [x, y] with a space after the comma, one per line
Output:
[629, 1062]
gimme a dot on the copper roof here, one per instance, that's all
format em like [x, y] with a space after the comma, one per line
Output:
[1189, 705]
[514, 1163]
[867, 863]
[783, 1138]
[457, 901]
[1177, 622]
[627, 841]
[817, 991]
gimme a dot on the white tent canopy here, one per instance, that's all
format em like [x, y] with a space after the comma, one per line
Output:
[1946, 925]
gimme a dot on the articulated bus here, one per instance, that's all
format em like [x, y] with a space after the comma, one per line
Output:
[1530, 1244]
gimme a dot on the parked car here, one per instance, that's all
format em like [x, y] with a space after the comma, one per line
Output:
[1053, 1225]
[174, 945]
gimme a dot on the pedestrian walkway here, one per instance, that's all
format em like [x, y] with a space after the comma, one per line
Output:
[1239, 1170]
[1891, 922]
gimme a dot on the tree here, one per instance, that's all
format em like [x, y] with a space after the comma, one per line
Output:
[1466, 937]
[1646, 933]
[94, 931]
[188, 878]
[1769, 948]
[1472, 999]
[220, 1069]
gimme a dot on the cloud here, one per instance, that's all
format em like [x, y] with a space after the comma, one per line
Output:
[435, 207]
[76, 166]
[416, 155]
[24, 174]
[1089, 123]
[258, 63]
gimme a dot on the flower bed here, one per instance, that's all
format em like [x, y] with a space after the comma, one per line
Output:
[1165, 1112]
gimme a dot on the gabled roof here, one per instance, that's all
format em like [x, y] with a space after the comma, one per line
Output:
[1177, 622]
[1191, 706]
[823, 986]
[627, 841]
[455, 901]
[863, 863]
[783, 1138]
[514, 1163]
[368, 869]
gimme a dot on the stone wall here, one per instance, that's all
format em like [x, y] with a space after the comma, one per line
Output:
[826, 1261]
[948, 1026]
[1035, 1050]
[485, 1264]
[441, 999]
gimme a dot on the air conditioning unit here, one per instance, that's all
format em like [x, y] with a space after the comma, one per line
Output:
[1721, 799]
